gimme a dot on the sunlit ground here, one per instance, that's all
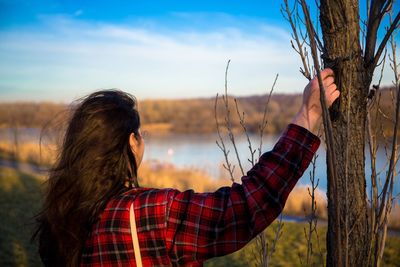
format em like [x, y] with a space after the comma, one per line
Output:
[21, 193]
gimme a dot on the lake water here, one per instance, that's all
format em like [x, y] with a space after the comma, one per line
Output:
[201, 152]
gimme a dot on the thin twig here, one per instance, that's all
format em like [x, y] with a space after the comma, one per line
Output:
[328, 130]
[390, 174]
[384, 40]
[278, 235]
[286, 10]
[383, 201]
[228, 122]
[374, 19]
[227, 165]
[312, 217]
[264, 120]
[241, 116]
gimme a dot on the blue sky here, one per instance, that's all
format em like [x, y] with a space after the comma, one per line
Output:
[61, 50]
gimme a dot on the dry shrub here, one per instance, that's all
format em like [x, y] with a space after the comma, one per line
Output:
[29, 152]
[394, 216]
[157, 128]
[160, 175]
[299, 203]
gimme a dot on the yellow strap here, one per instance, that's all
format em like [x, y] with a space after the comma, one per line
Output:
[135, 241]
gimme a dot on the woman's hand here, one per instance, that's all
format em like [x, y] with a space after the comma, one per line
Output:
[311, 110]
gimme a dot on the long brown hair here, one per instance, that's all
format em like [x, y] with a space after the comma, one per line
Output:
[94, 164]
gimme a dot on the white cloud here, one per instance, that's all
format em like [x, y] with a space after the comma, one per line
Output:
[69, 58]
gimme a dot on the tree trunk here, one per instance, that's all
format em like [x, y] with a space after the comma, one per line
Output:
[341, 29]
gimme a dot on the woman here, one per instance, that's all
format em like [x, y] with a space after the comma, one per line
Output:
[85, 219]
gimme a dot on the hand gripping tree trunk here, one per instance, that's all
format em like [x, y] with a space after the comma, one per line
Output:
[341, 30]
[340, 24]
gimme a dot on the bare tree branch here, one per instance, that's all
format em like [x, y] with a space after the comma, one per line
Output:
[374, 20]
[241, 116]
[278, 235]
[286, 10]
[327, 126]
[264, 120]
[227, 165]
[390, 173]
[389, 32]
[382, 203]
[228, 122]
[312, 217]
[373, 148]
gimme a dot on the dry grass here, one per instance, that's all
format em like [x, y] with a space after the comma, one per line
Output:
[28, 152]
[159, 175]
[299, 203]
[394, 217]
[157, 128]
[169, 176]
[20, 199]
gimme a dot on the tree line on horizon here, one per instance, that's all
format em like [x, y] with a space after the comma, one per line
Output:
[183, 115]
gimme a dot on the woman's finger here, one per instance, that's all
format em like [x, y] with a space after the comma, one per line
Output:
[331, 88]
[327, 73]
[332, 97]
[328, 81]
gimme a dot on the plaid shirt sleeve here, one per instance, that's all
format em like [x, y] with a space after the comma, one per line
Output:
[200, 226]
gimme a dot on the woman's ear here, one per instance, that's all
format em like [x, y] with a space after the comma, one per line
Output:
[137, 147]
[133, 142]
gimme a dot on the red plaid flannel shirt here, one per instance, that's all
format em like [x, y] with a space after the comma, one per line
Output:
[186, 228]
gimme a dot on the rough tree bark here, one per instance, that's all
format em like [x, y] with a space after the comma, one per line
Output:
[340, 24]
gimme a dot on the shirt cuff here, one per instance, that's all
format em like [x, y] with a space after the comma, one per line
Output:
[297, 135]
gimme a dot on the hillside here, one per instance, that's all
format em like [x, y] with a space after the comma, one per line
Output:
[183, 115]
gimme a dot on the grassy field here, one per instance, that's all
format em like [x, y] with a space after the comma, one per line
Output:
[20, 197]
[291, 250]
